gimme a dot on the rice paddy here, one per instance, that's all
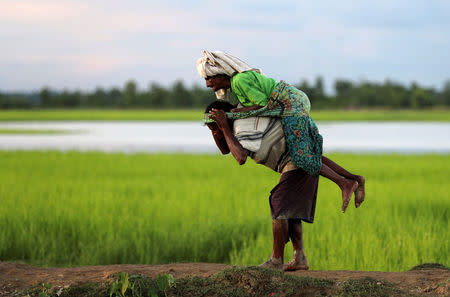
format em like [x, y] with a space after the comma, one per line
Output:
[71, 209]
[33, 131]
[437, 115]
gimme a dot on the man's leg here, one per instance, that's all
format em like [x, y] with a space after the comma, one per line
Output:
[348, 186]
[299, 261]
[280, 231]
[360, 191]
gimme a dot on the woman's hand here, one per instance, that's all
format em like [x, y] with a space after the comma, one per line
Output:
[219, 117]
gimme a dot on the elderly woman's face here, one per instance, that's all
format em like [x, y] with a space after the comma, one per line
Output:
[218, 82]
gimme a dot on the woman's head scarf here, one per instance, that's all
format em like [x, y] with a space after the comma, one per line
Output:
[214, 63]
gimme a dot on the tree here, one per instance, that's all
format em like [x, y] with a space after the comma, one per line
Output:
[68, 99]
[344, 90]
[347, 94]
[97, 99]
[343, 87]
[201, 96]
[45, 97]
[421, 98]
[159, 96]
[114, 97]
[446, 93]
[129, 94]
[367, 94]
[317, 93]
[180, 96]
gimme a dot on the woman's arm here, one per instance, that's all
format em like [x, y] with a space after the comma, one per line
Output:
[248, 108]
[238, 152]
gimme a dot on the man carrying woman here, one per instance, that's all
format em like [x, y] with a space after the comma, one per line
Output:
[292, 143]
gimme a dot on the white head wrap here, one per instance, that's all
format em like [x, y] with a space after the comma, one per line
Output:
[214, 63]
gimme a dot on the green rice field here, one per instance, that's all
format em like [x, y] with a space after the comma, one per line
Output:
[439, 115]
[33, 131]
[71, 209]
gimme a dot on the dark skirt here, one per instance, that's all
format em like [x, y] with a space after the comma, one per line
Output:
[294, 197]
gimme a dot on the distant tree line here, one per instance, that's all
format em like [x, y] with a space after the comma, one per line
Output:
[347, 94]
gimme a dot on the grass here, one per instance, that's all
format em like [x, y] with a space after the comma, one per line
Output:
[382, 115]
[70, 209]
[369, 287]
[249, 281]
[32, 131]
[430, 266]
[101, 115]
[438, 115]
[235, 281]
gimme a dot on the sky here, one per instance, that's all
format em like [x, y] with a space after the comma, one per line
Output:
[64, 44]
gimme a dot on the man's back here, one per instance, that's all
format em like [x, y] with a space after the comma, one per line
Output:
[271, 149]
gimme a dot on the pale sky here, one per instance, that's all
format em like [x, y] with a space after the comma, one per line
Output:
[84, 44]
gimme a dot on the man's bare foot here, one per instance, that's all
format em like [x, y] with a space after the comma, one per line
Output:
[295, 265]
[360, 192]
[273, 263]
[348, 188]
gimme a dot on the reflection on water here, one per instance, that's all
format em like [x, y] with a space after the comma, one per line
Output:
[194, 137]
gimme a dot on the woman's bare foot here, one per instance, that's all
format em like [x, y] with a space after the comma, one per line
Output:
[273, 263]
[360, 192]
[349, 186]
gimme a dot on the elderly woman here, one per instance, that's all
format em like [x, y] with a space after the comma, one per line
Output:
[262, 96]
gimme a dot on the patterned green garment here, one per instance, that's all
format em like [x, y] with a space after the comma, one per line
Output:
[302, 135]
[252, 88]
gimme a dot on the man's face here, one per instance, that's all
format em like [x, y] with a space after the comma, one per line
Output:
[219, 138]
[218, 82]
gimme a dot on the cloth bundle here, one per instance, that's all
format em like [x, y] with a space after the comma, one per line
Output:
[250, 131]
[214, 63]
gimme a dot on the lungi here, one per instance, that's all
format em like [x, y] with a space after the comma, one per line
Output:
[294, 197]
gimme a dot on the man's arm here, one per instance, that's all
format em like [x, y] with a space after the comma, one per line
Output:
[221, 143]
[238, 152]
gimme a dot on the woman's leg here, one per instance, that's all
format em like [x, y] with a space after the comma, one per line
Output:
[348, 186]
[299, 261]
[280, 231]
[360, 191]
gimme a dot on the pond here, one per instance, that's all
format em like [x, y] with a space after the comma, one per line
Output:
[194, 137]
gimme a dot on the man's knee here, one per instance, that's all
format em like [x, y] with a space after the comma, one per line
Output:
[280, 223]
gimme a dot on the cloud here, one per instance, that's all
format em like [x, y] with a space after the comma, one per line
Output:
[107, 40]
[91, 37]
[42, 12]
[94, 64]
[91, 21]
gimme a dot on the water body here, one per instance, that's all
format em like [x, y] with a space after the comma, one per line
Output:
[194, 137]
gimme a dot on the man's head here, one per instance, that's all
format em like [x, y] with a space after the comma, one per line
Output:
[217, 133]
[220, 105]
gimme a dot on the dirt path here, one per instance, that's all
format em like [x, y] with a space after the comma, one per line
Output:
[16, 277]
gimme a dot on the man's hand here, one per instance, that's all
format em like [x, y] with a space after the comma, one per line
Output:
[219, 117]
[231, 145]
